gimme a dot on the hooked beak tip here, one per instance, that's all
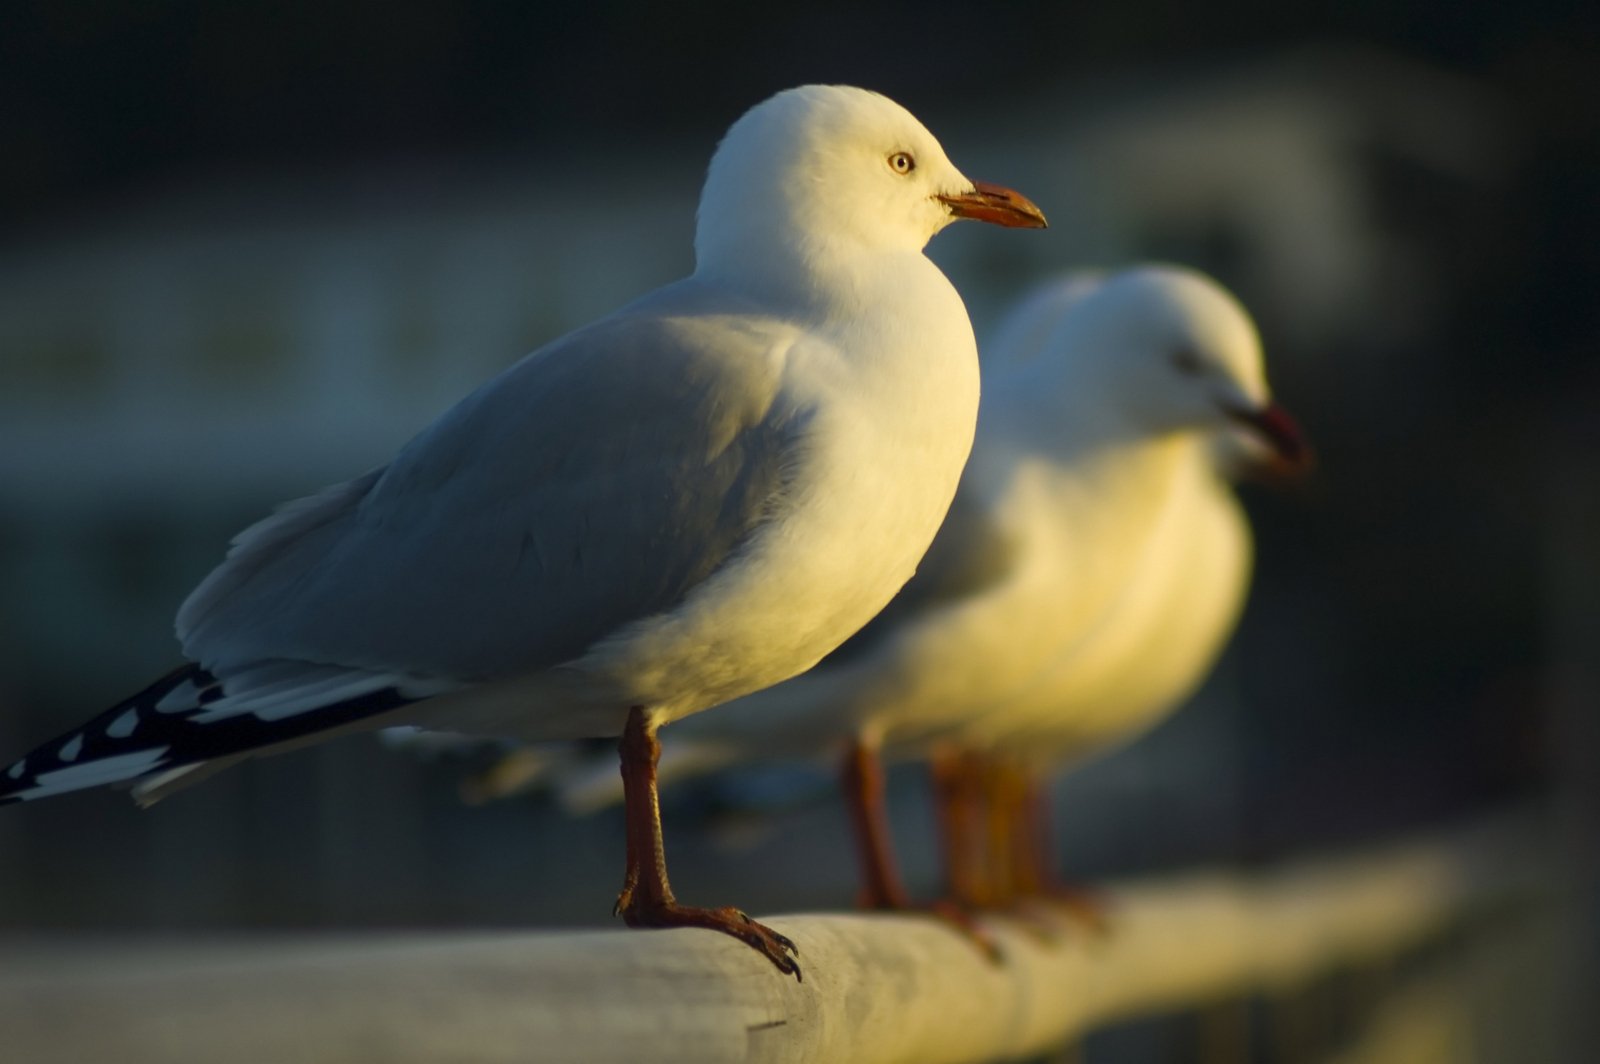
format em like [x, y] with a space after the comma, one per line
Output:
[996, 205]
[1277, 428]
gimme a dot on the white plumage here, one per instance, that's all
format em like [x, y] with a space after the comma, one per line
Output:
[1152, 646]
[1094, 561]
[697, 496]
[693, 498]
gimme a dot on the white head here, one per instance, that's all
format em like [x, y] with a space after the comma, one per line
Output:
[829, 170]
[1171, 350]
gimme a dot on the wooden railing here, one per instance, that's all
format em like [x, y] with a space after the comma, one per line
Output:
[877, 988]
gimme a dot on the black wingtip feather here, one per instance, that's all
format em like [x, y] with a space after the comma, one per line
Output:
[96, 744]
[181, 739]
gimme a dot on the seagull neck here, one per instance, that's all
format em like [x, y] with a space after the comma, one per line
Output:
[804, 277]
[1053, 402]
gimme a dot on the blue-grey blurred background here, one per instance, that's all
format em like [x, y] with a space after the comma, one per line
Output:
[249, 248]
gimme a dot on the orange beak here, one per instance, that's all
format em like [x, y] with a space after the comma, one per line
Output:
[1000, 206]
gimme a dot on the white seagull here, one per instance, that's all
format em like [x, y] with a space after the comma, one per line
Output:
[1102, 397]
[1154, 644]
[693, 498]
[1151, 649]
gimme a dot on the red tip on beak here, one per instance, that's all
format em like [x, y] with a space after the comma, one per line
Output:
[1274, 425]
[997, 205]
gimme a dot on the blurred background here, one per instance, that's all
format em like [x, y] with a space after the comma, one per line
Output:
[247, 249]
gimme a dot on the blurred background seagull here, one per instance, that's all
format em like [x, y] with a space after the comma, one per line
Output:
[695, 497]
[1156, 642]
[1090, 496]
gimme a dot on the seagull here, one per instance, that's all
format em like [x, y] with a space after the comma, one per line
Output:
[1144, 659]
[690, 499]
[1102, 395]
[1158, 640]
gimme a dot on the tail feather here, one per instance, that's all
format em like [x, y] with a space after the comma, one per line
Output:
[171, 724]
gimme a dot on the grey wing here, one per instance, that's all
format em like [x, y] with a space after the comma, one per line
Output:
[594, 483]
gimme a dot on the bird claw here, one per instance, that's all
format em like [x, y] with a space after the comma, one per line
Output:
[783, 940]
[779, 949]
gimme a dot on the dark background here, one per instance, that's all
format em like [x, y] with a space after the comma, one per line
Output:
[105, 97]
[1420, 643]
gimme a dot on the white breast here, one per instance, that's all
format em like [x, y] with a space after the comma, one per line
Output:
[1153, 646]
[889, 404]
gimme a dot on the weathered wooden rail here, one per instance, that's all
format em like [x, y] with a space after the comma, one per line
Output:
[876, 988]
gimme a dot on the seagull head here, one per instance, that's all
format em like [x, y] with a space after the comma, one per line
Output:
[830, 170]
[1181, 354]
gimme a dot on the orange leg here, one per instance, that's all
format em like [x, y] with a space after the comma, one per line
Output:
[862, 779]
[958, 789]
[958, 800]
[882, 887]
[1010, 852]
[1006, 852]
[1036, 834]
[646, 899]
[1016, 794]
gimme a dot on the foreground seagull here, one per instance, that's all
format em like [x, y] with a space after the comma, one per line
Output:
[1100, 394]
[693, 498]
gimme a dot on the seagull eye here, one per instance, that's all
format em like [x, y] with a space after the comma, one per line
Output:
[901, 162]
[1188, 361]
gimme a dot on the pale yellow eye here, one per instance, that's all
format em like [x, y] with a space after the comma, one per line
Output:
[901, 162]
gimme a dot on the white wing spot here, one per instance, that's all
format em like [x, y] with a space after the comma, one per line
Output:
[95, 773]
[73, 748]
[18, 769]
[124, 725]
